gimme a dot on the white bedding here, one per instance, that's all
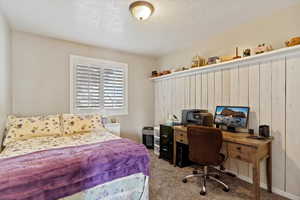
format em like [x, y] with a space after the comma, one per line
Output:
[49, 142]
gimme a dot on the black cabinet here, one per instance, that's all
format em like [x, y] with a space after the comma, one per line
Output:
[166, 143]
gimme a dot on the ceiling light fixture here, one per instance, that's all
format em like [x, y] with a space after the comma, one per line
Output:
[141, 10]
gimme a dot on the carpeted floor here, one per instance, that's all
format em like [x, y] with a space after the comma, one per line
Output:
[166, 184]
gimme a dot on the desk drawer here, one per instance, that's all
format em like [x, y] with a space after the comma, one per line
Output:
[181, 137]
[241, 152]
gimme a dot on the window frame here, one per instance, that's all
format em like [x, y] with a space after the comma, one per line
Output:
[101, 63]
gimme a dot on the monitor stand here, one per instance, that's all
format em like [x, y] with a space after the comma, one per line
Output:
[231, 129]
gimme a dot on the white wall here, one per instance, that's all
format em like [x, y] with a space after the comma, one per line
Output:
[274, 29]
[5, 86]
[41, 79]
[269, 87]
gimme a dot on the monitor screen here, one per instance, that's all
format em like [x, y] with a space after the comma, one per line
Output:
[232, 116]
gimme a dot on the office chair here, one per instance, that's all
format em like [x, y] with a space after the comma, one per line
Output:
[204, 149]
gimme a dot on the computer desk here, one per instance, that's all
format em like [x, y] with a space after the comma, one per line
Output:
[241, 148]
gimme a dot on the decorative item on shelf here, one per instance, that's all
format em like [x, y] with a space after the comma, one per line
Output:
[213, 60]
[173, 70]
[247, 52]
[226, 58]
[262, 48]
[154, 73]
[293, 42]
[166, 72]
[236, 53]
[198, 61]
[178, 69]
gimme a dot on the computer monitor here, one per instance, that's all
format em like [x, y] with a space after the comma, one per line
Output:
[232, 117]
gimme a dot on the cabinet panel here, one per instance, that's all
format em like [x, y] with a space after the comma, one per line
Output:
[243, 101]
[278, 123]
[293, 126]
[204, 91]
[234, 100]
[211, 92]
[218, 87]
[253, 101]
[192, 92]
[265, 104]
[198, 88]
[226, 87]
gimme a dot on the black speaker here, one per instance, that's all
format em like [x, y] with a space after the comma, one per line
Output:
[264, 131]
[148, 137]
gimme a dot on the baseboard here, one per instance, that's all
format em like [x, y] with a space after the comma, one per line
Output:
[264, 186]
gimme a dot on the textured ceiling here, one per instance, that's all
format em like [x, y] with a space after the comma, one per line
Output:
[175, 25]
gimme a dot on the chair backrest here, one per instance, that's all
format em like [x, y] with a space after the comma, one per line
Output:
[204, 144]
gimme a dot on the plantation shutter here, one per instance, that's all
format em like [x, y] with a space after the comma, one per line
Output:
[98, 86]
[88, 87]
[114, 90]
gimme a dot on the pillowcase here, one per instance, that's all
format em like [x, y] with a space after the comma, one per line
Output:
[80, 123]
[20, 128]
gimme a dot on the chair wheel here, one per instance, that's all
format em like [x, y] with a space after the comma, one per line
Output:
[226, 189]
[195, 172]
[184, 180]
[202, 193]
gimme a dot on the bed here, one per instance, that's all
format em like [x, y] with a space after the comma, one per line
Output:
[83, 166]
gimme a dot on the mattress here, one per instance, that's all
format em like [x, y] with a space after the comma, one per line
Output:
[132, 187]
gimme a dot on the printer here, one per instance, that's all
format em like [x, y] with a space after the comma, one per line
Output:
[197, 117]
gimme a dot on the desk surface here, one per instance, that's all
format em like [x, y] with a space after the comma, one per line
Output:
[239, 138]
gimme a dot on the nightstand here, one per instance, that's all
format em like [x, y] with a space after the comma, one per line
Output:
[113, 128]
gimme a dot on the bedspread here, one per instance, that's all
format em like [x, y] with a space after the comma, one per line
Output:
[50, 142]
[61, 172]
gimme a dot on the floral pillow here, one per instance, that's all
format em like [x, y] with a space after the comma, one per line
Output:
[80, 123]
[20, 128]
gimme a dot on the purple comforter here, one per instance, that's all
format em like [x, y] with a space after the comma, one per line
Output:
[57, 173]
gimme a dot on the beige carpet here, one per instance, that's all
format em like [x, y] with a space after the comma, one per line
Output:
[165, 184]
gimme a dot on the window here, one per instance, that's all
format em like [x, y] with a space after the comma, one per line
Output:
[98, 86]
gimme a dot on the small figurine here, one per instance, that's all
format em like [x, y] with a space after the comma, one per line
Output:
[213, 60]
[198, 61]
[247, 52]
[179, 69]
[154, 73]
[261, 48]
[226, 58]
[166, 72]
[237, 53]
[293, 42]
